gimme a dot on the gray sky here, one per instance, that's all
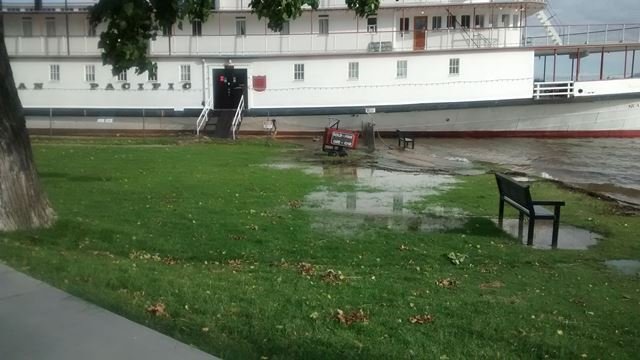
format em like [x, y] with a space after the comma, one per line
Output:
[596, 11]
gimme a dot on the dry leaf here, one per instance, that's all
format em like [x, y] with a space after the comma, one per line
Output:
[353, 317]
[421, 319]
[235, 263]
[158, 309]
[295, 204]
[332, 277]
[447, 283]
[306, 269]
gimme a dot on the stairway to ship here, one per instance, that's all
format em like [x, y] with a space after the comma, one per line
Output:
[545, 19]
[219, 124]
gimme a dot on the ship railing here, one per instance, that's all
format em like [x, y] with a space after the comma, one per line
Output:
[235, 5]
[341, 42]
[553, 90]
[203, 119]
[237, 119]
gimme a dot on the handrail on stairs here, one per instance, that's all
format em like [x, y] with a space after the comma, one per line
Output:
[237, 119]
[204, 115]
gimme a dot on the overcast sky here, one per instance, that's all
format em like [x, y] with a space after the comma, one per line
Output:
[596, 11]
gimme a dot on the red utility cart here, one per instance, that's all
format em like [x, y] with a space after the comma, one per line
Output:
[336, 141]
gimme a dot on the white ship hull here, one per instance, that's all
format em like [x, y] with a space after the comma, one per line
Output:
[601, 118]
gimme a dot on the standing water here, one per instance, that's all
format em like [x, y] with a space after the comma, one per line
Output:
[607, 166]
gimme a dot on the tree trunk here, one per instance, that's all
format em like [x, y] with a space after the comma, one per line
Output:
[23, 204]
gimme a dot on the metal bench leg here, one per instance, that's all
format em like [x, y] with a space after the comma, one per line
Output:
[532, 224]
[501, 213]
[556, 227]
[413, 144]
[520, 226]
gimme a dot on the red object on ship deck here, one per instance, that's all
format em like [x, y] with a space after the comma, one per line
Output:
[336, 141]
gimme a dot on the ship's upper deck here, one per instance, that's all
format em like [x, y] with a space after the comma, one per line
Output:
[243, 5]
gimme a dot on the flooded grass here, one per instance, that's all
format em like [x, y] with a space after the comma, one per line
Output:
[320, 259]
[627, 267]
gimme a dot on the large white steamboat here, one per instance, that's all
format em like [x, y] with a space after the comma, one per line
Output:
[432, 67]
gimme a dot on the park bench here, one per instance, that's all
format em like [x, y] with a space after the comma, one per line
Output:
[519, 196]
[404, 141]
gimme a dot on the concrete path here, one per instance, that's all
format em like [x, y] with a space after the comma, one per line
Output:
[38, 321]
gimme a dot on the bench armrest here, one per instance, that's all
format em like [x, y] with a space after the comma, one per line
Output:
[549, 203]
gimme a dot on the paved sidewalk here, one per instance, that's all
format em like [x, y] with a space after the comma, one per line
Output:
[38, 322]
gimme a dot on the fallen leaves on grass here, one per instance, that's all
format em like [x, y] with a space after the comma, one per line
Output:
[235, 263]
[143, 255]
[492, 285]
[404, 248]
[353, 317]
[295, 204]
[421, 319]
[447, 283]
[158, 309]
[238, 237]
[456, 258]
[306, 269]
[332, 277]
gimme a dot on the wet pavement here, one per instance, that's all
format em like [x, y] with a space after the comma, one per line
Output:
[626, 267]
[569, 237]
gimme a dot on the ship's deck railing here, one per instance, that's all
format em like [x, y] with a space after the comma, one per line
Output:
[553, 90]
[341, 42]
[235, 5]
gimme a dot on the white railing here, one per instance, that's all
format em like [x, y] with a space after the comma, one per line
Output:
[237, 119]
[342, 42]
[235, 5]
[553, 90]
[204, 115]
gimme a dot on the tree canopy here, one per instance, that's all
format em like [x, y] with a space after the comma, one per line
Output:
[132, 24]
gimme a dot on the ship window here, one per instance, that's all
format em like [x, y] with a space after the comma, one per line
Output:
[516, 20]
[91, 29]
[506, 20]
[152, 75]
[451, 22]
[323, 24]
[404, 24]
[27, 27]
[480, 21]
[196, 28]
[298, 72]
[89, 73]
[54, 72]
[285, 28]
[454, 66]
[185, 72]
[354, 70]
[465, 21]
[494, 20]
[50, 26]
[372, 24]
[436, 22]
[241, 26]
[167, 30]
[122, 76]
[401, 69]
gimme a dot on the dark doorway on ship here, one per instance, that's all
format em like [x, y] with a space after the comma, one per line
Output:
[229, 86]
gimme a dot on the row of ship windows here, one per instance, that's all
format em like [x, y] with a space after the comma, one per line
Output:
[420, 23]
[90, 73]
[353, 69]
[298, 71]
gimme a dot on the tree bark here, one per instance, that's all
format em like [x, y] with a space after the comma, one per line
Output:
[23, 204]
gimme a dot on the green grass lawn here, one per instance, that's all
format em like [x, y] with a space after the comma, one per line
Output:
[215, 237]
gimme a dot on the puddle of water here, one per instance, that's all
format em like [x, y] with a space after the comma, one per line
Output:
[381, 199]
[569, 237]
[349, 224]
[627, 267]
